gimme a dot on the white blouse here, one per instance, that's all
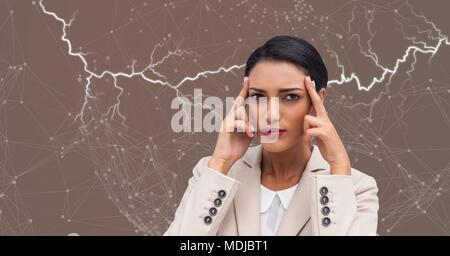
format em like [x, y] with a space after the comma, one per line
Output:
[273, 207]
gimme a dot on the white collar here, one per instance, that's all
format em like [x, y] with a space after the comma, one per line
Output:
[268, 195]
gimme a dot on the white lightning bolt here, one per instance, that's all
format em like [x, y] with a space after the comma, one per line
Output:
[91, 74]
[386, 72]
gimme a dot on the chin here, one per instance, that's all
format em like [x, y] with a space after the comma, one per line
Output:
[279, 145]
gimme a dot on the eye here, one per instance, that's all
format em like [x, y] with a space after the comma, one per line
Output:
[292, 97]
[257, 96]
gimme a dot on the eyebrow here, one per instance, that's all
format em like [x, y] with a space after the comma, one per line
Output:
[281, 90]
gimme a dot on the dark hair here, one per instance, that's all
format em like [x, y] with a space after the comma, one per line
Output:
[294, 50]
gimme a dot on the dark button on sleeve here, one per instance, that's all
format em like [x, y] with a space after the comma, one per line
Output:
[326, 221]
[207, 220]
[217, 202]
[222, 193]
[324, 200]
[325, 210]
[212, 211]
[323, 191]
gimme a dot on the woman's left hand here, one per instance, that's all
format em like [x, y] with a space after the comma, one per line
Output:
[321, 127]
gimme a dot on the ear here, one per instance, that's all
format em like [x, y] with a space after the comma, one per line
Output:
[322, 94]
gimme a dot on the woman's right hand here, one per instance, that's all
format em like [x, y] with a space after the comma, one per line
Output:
[235, 135]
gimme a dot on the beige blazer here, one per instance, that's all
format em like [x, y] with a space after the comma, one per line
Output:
[351, 208]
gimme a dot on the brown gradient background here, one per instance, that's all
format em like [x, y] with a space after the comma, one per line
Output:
[115, 176]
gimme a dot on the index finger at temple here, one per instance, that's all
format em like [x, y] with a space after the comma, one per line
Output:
[244, 91]
[319, 108]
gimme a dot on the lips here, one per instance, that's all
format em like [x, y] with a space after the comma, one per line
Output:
[273, 132]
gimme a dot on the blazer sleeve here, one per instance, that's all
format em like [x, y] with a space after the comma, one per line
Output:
[205, 202]
[340, 207]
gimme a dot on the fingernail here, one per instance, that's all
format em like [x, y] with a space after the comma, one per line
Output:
[314, 83]
[308, 78]
[253, 128]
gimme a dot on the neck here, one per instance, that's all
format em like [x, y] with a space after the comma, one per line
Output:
[286, 166]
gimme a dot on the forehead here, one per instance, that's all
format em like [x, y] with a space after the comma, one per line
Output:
[269, 73]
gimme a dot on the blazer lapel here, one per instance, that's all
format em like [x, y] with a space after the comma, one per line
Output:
[299, 213]
[247, 200]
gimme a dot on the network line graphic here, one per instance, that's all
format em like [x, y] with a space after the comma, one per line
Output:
[386, 72]
[86, 145]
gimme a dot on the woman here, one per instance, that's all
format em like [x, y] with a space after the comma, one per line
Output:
[288, 186]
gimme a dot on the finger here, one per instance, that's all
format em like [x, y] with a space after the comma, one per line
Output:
[309, 134]
[317, 103]
[241, 114]
[307, 140]
[311, 122]
[306, 137]
[237, 122]
[237, 113]
[244, 92]
[242, 126]
[252, 112]
[314, 132]
[307, 124]
[228, 120]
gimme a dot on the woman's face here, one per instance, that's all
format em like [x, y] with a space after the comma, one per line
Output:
[282, 80]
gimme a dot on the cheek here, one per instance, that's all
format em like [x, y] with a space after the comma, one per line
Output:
[293, 117]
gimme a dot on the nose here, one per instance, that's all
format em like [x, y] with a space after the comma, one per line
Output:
[272, 108]
[269, 112]
[265, 112]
